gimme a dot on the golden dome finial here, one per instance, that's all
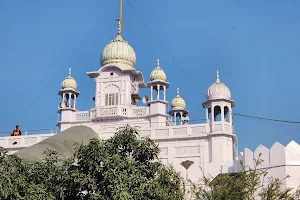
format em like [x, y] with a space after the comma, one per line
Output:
[158, 73]
[69, 82]
[178, 102]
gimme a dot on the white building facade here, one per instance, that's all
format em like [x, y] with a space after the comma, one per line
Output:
[188, 147]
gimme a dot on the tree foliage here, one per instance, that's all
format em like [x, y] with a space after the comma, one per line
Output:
[246, 184]
[123, 167]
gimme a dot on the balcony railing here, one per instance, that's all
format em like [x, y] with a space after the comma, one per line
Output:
[82, 116]
[117, 112]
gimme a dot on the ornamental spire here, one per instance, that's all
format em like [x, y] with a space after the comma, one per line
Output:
[119, 27]
[178, 91]
[218, 77]
[121, 13]
[70, 71]
[120, 19]
[157, 64]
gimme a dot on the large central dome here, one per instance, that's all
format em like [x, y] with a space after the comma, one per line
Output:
[118, 52]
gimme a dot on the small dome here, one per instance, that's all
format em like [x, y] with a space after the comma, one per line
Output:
[69, 82]
[178, 102]
[118, 51]
[158, 73]
[218, 90]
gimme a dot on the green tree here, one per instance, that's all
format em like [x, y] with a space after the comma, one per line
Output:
[246, 184]
[123, 167]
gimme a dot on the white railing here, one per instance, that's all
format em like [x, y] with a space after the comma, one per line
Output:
[139, 112]
[82, 116]
[118, 111]
[168, 132]
[107, 111]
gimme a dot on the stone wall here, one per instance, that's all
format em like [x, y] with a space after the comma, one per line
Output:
[279, 160]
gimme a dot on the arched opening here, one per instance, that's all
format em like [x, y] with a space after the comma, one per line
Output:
[217, 113]
[161, 93]
[226, 114]
[66, 101]
[178, 119]
[154, 93]
[112, 95]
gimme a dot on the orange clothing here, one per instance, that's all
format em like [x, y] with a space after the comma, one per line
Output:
[16, 133]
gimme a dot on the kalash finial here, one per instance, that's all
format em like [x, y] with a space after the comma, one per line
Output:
[157, 63]
[177, 91]
[218, 77]
[70, 71]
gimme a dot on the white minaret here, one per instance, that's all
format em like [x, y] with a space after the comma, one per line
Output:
[218, 107]
[158, 103]
[67, 105]
[178, 110]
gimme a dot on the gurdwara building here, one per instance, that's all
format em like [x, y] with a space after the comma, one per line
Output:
[190, 148]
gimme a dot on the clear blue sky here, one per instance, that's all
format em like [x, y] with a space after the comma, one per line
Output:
[254, 44]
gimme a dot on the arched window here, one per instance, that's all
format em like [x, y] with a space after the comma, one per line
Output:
[112, 95]
[111, 99]
[217, 113]
[161, 92]
[178, 119]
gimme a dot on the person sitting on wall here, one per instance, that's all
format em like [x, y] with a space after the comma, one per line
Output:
[16, 132]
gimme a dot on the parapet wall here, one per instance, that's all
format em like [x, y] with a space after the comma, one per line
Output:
[280, 161]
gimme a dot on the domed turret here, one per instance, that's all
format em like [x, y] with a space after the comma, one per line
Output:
[158, 73]
[119, 52]
[69, 82]
[178, 102]
[218, 90]
[178, 111]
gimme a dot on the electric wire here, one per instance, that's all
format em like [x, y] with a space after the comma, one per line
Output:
[168, 52]
[193, 120]
[267, 119]
[106, 124]
[113, 27]
[174, 60]
[177, 64]
[64, 65]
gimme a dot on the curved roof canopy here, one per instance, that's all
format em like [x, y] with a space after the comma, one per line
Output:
[64, 143]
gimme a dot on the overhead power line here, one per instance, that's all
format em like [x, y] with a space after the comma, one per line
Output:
[156, 37]
[137, 123]
[64, 65]
[177, 64]
[267, 119]
[174, 60]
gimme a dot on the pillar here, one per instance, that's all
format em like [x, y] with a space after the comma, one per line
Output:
[206, 115]
[151, 92]
[74, 106]
[181, 118]
[96, 94]
[212, 118]
[164, 93]
[175, 123]
[69, 100]
[158, 89]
